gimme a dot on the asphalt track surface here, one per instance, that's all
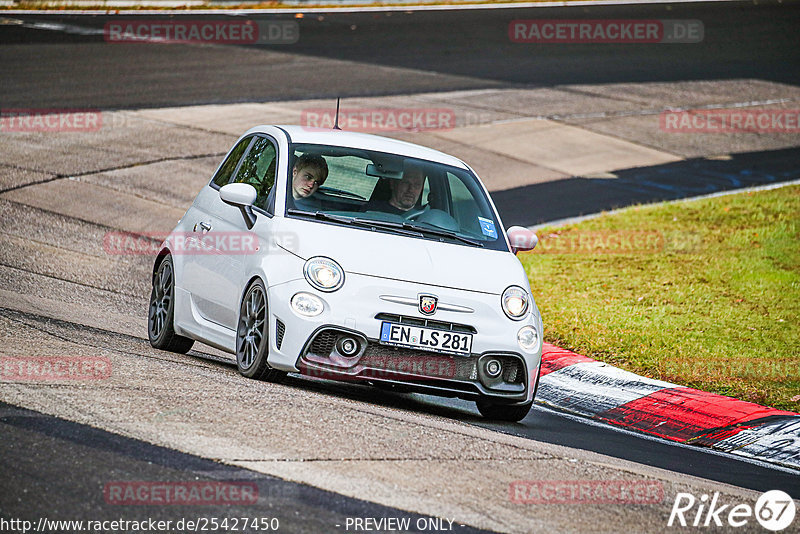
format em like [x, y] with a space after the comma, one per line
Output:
[543, 424]
[344, 55]
[571, 197]
[347, 54]
[70, 484]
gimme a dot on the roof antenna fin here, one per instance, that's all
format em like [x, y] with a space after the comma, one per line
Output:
[336, 121]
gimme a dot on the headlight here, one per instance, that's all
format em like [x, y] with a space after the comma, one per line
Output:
[528, 338]
[515, 302]
[307, 304]
[324, 273]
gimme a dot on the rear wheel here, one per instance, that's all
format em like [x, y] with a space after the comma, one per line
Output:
[161, 313]
[503, 412]
[252, 336]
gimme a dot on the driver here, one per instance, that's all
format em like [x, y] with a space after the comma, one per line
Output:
[405, 192]
[309, 172]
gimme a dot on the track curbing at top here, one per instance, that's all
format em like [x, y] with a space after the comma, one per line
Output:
[581, 385]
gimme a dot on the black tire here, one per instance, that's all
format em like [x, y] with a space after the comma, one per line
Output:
[503, 412]
[252, 336]
[161, 311]
[508, 412]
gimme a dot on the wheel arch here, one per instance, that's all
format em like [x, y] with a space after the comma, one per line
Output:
[164, 252]
[249, 283]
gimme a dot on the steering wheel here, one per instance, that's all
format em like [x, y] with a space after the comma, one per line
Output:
[411, 215]
[438, 218]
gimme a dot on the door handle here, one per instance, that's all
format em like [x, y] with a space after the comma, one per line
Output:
[204, 226]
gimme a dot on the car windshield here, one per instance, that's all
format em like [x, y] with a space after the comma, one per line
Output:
[391, 193]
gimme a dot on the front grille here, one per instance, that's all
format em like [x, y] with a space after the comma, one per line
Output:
[324, 343]
[280, 330]
[426, 323]
[511, 372]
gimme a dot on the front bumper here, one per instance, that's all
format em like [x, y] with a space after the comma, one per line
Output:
[442, 374]
[309, 345]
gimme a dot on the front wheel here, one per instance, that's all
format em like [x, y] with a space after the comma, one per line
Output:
[503, 412]
[252, 336]
[161, 312]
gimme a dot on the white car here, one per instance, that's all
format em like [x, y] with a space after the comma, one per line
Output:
[389, 267]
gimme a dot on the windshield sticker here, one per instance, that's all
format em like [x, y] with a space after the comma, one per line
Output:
[487, 227]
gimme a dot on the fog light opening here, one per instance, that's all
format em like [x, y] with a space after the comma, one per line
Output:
[494, 368]
[348, 346]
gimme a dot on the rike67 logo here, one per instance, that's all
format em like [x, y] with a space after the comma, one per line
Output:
[774, 510]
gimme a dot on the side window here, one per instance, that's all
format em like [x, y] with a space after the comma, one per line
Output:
[258, 169]
[225, 172]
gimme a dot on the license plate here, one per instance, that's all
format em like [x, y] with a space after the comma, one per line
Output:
[443, 341]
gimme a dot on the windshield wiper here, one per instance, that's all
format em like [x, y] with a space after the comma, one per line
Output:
[320, 215]
[421, 230]
[404, 228]
[397, 227]
[441, 232]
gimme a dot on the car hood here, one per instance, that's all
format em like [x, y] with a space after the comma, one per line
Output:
[385, 255]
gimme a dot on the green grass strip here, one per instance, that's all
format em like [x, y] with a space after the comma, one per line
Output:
[703, 293]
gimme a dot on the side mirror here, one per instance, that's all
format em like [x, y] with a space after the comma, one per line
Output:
[240, 196]
[521, 239]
